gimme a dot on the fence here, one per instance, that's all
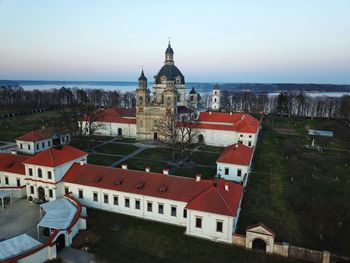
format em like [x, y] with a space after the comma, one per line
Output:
[305, 254]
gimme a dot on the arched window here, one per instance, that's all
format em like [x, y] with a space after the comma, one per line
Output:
[168, 101]
[40, 173]
[140, 99]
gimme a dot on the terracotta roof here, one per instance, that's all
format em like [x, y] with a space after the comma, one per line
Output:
[12, 163]
[41, 134]
[117, 115]
[55, 156]
[236, 154]
[218, 200]
[158, 185]
[228, 121]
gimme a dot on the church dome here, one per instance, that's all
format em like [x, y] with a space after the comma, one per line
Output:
[169, 49]
[169, 71]
[193, 91]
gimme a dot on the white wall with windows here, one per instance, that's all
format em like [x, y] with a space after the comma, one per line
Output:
[209, 225]
[112, 129]
[233, 172]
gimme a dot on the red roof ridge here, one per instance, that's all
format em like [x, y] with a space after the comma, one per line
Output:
[227, 205]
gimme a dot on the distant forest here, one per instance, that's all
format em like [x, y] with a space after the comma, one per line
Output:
[287, 103]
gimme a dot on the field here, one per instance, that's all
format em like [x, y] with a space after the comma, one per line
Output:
[128, 239]
[302, 194]
[14, 127]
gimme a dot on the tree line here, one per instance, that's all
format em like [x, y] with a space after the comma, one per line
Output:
[288, 104]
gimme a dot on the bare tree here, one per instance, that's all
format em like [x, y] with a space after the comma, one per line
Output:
[187, 132]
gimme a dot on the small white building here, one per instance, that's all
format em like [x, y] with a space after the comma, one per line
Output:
[223, 128]
[39, 140]
[234, 163]
[44, 171]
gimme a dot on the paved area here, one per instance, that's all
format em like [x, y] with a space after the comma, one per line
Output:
[72, 255]
[20, 218]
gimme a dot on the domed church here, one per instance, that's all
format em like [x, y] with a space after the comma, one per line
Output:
[168, 97]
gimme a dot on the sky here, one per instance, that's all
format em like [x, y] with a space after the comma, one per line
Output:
[262, 41]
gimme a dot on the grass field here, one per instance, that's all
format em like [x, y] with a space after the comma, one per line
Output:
[302, 194]
[204, 158]
[158, 154]
[100, 159]
[116, 148]
[14, 127]
[139, 240]
[139, 164]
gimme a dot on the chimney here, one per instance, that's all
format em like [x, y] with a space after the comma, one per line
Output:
[147, 169]
[13, 152]
[125, 166]
[81, 162]
[166, 171]
[209, 112]
[230, 112]
[226, 187]
[198, 177]
[236, 146]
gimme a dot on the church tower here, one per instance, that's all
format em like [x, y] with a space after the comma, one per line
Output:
[142, 92]
[215, 102]
[193, 98]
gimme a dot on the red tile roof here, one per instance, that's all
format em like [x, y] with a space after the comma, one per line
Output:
[56, 156]
[154, 184]
[117, 115]
[12, 163]
[236, 154]
[218, 200]
[228, 121]
[41, 134]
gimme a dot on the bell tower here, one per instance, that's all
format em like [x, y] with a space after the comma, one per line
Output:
[215, 103]
[142, 93]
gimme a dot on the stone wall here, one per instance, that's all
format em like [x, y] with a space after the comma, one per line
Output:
[238, 240]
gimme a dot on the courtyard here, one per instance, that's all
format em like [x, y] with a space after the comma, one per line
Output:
[20, 218]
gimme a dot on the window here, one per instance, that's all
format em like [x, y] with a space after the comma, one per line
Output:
[66, 190]
[173, 210]
[241, 135]
[137, 204]
[32, 189]
[105, 198]
[215, 92]
[50, 193]
[21, 146]
[43, 144]
[67, 139]
[227, 170]
[37, 146]
[40, 173]
[215, 100]
[160, 208]
[49, 174]
[18, 182]
[198, 222]
[239, 172]
[28, 146]
[249, 143]
[95, 197]
[49, 143]
[115, 200]
[218, 226]
[149, 206]
[185, 213]
[6, 180]
[127, 202]
[250, 136]
[30, 170]
[81, 195]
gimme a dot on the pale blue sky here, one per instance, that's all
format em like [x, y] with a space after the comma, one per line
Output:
[217, 41]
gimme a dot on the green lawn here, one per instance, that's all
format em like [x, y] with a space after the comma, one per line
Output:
[158, 154]
[211, 148]
[207, 173]
[116, 148]
[140, 240]
[302, 194]
[14, 127]
[85, 144]
[138, 164]
[125, 139]
[204, 158]
[100, 159]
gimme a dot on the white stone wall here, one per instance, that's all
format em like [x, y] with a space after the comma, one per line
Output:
[225, 138]
[208, 229]
[120, 208]
[232, 171]
[27, 147]
[111, 128]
